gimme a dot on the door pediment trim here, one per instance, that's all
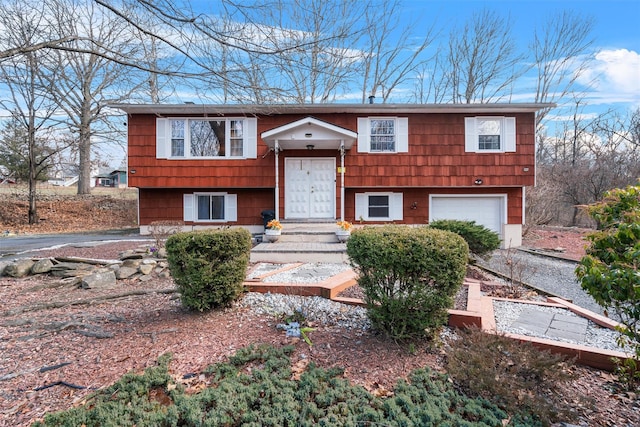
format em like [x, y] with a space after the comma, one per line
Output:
[300, 134]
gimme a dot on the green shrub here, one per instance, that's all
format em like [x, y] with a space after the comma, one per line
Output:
[128, 402]
[409, 276]
[256, 388]
[609, 271]
[480, 239]
[209, 266]
[516, 376]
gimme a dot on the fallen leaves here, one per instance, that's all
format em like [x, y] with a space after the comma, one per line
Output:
[67, 213]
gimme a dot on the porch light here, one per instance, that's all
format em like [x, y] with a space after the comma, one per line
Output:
[308, 135]
[310, 147]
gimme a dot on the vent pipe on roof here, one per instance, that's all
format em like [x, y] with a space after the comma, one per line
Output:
[371, 99]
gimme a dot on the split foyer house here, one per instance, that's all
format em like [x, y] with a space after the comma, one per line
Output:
[214, 165]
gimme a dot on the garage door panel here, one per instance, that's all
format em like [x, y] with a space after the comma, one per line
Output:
[487, 211]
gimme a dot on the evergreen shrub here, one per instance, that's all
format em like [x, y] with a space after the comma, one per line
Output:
[258, 388]
[409, 276]
[209, 266]
[609, 270]
[480, 239]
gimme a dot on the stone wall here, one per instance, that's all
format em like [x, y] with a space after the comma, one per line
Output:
[139, 265]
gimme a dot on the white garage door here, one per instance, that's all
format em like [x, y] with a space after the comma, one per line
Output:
[484, 210]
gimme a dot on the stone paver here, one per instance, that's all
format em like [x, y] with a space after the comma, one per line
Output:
[552, 324]
[566, 334]
[571, 319]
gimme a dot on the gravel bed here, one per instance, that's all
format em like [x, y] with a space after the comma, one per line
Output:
[314, 309]
[548, 274]
[265, 268]
[322, 311]
[506, 313]
[306, 273]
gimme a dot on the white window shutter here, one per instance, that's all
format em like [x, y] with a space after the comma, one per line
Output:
[396, 207]
[163, 138]
[402, 133]
[364, 142]
[230, 207]
[470, 135]
[362, 207]
[188, 206]
[510, 134]
[251, 138]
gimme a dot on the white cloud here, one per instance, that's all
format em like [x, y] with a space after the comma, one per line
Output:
[615, 75]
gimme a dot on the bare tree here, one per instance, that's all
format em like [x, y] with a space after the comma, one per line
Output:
[560, 48]
[312, 41]
[482, 61]
[26, 97]
[84, 81]
[391, 54]
[261, 32]
[587, 158]
[11, 45]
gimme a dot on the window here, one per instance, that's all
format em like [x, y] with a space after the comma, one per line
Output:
[383, 134]
[489, 131]
[177, 138]
[210, 207]
[379, 207]
[490, 134]
[206, 138]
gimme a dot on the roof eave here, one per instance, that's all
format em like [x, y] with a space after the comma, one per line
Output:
[164, 110]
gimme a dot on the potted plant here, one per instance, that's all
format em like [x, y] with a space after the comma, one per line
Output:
[344, 230]
[273, 231]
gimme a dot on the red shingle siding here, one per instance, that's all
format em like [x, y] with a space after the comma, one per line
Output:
[436, 158]
[436, 163]
[167, 204]
[420, 215]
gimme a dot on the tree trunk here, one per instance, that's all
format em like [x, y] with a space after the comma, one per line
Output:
[33, 209]
[31, 144]
[574, 218]
[84, 178]
[84, 145]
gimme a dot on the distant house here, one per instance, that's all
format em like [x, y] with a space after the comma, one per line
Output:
[116, 178]
[6, 177]
[212, 165]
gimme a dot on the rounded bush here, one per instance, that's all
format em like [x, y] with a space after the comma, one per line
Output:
[480, 239]
[409, 276]
[209, 266]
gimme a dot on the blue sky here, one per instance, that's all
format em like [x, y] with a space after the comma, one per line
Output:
[615, 72]
[616, 21]
[616, 34]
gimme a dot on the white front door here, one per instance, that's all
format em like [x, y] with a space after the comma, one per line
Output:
[310, 186]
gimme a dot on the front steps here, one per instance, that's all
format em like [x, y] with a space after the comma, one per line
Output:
[303, 242]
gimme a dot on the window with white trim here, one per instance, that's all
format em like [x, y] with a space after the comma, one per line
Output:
[189, 138]
[210, 207]
[379, 207]
[383, 134]
[484, 134]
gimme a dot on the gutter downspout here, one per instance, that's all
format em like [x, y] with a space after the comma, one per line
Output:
[276, 149]
[342, 180]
